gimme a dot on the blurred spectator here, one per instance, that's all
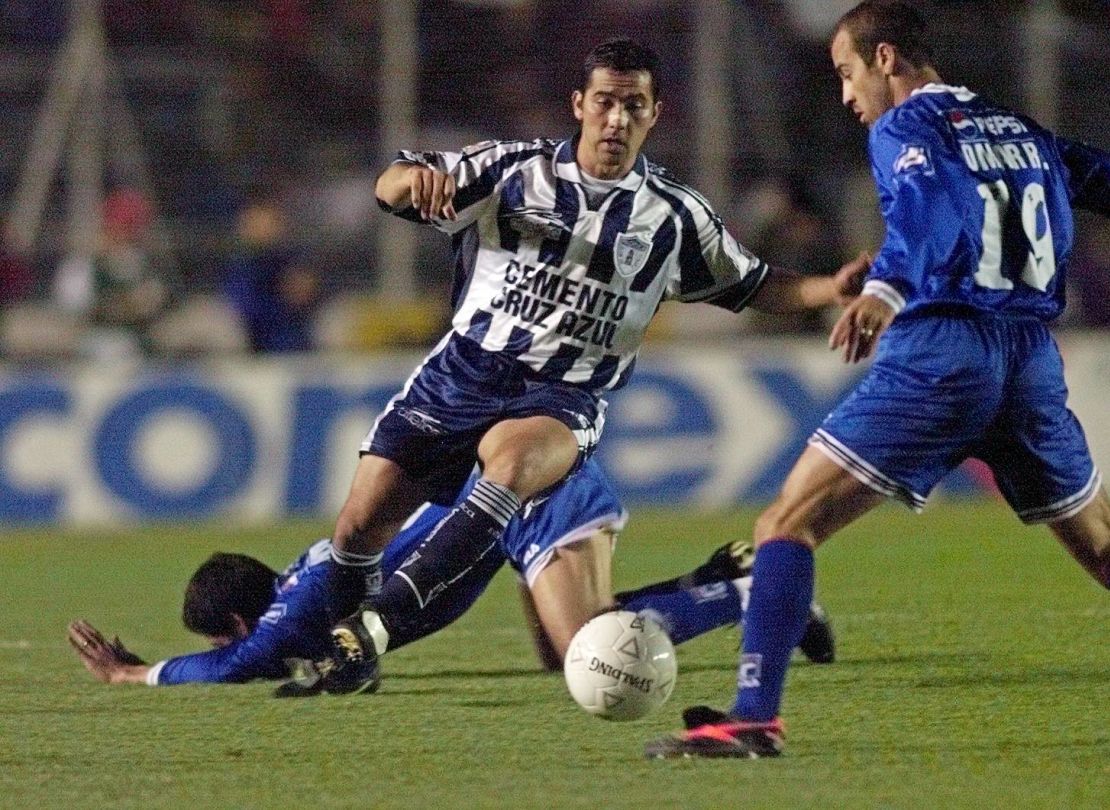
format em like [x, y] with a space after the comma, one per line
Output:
[779, 224]
[15, 276]
[268, 283]
[117, 289]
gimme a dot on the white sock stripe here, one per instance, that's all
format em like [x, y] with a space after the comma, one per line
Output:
[355, 559]
[497, 501]
[494, 510]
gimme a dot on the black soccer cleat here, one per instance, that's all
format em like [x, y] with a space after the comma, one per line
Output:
[355, 657]
[731, 561]
[306, 678]
[818, 643]
[716, 735]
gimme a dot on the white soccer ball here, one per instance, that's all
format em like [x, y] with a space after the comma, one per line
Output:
[620, 666]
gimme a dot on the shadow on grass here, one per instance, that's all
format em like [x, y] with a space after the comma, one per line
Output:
[469, 673]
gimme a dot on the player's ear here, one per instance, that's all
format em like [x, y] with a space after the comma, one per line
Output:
[576, 99]
[886, 58]
[242, 629]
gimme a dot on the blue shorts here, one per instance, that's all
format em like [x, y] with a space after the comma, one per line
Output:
[946, 388]
[583, 504]
[433, 426]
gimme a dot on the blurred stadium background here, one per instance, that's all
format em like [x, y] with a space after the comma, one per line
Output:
[201, 309]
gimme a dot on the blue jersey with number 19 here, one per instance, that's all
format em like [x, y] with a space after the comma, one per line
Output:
[977, 204]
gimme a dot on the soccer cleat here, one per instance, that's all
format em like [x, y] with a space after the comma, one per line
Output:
[306, 678]
[731, 561]
[355, 656]
[818, 643]
[713, 734]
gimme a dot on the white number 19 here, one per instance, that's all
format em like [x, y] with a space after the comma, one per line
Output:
[1040, 264]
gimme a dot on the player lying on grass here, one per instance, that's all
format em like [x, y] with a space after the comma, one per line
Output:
[259, 620]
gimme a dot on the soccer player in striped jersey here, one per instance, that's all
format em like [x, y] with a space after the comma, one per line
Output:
[563, 251]
[977, 203]
[260, 621]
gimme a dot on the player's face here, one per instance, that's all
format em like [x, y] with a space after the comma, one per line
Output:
[864, 88]
[616, 110]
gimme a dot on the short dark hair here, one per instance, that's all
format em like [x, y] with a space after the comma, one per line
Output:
[622, 55]
[227, 584]
[891, 21]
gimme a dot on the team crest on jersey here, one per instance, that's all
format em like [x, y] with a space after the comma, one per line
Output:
[630, 252]
[913, 159]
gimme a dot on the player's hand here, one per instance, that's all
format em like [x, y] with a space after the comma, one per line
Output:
[849, 278]
[432, 193]
[860, 326]
[107, 661]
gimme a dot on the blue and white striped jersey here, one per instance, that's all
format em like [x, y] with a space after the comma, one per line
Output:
[566, 281]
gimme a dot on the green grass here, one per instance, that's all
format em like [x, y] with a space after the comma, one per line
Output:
[974, 672]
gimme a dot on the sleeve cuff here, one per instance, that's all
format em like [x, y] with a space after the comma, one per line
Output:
[153, 673]
[885, 293]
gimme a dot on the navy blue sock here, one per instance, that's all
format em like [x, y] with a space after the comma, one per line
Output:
[449, 568]
[351, 579]
[689, 613]
[782, 589]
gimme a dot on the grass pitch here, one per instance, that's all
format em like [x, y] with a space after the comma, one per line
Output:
[973, 671]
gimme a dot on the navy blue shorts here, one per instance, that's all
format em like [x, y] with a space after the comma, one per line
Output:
[433, 426]
[943, 389]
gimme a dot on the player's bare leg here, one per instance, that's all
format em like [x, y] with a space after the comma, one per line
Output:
[1086, 535]
[549, 657]
[574, 587]
[527, 455]
[382, 497]
[519, 458]
[818, 498]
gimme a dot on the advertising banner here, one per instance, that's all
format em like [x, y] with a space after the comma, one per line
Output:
[261, 439]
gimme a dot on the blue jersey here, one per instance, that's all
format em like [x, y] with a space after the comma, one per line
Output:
[296, 624]
[977, 204]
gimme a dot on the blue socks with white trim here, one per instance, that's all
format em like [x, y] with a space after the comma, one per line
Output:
[778, 610]
[685, 614]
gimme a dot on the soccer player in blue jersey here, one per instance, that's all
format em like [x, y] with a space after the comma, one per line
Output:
[563, 251]
[977, 203]
[259, 621]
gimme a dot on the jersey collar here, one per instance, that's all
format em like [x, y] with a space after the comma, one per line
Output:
[566, 167]
[961, 93]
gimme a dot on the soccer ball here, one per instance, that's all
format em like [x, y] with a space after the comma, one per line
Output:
[620, 666]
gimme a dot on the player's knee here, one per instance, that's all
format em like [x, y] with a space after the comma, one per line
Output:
[525, 473]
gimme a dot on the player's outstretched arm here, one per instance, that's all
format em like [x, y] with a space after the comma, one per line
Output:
[1088, 175]
[429, 191]
[107, 661]
[786, 291]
